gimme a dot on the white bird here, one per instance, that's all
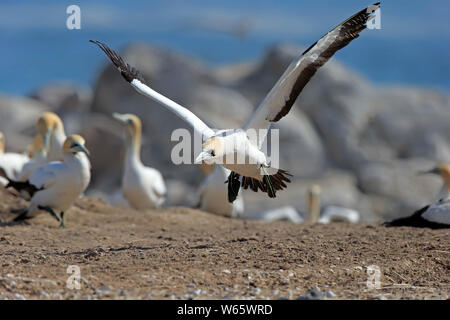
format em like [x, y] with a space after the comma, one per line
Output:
[51, 127]
[435, 215]
[11, 163]
[142, 186]
[225, 146]
[56, 185]
[213, 194]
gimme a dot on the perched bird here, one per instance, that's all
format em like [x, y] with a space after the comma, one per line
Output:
[244, 144]
[55, 186]
[11, 163]
[435, 215]
[38, 156]
[213, 194]
[51, 127]
[143, 187]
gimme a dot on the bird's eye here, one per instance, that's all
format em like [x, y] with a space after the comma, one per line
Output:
[212, 153]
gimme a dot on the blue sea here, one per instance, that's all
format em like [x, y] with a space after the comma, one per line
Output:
[411, 48]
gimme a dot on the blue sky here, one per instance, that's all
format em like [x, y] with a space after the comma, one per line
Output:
[412, 47]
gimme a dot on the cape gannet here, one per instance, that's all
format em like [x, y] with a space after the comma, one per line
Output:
[225, 146]
[55, 186]
[213, 193]
[142, 186]
[11, 162]
[435, 215]
[51, 127]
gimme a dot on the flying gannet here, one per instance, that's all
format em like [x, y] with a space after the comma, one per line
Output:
[213, 193]
[435, 215]
[51, 127]
[225, 146]
[143, 187]
[55, 186]
[11, 162]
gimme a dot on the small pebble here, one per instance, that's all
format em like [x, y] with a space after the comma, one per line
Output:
[18, 296]
[226, 271]
[330, 294]
[313, 294]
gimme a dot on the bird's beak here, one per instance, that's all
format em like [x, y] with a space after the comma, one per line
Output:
[202, 157]
[119, 117]
[47, 139]
[82, 148]
[431, 171]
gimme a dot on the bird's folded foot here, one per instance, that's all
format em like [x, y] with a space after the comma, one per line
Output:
[50, 210]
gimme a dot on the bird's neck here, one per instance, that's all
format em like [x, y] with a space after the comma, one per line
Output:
[445, 192]
[56, 143]
[78, 160]
[133, 150]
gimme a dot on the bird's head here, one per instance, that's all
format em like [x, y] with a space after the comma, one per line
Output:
[2, 142]
[212, 150]
[47, 123]
[443, 170]
[74, 144]
[131, 123]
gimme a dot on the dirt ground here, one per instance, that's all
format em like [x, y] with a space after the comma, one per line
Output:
[180, 253]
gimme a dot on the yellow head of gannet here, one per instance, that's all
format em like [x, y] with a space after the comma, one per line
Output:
[49, 121]
[212, 149]
[443, 170]
[74, 144]
[133, 128]
[2, 143]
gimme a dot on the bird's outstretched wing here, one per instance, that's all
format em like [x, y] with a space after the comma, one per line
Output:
[134, 77]
[282, 96]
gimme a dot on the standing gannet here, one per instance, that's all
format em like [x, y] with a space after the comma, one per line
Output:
[11, 163]
[225, 146]
[213, 193]
[51, 127]
[435, 215]
[142, 186]
[55, 186]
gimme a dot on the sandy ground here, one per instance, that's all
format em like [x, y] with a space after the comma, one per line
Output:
[180, 253]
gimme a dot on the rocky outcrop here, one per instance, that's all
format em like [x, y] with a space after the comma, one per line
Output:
[362, 143]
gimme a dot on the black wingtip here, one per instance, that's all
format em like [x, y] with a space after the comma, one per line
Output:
[129, 73]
